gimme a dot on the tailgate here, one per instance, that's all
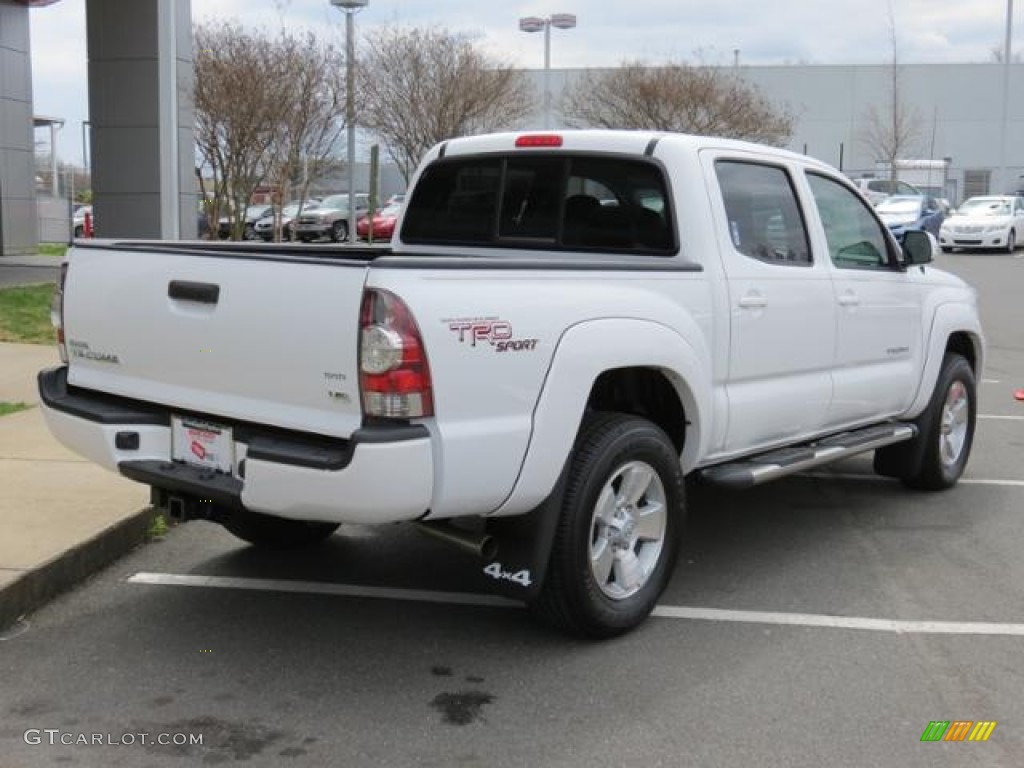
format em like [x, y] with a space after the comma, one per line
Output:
[245, 336]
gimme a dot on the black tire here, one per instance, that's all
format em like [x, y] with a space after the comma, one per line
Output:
[936, 458]
[339, 231]
[946, 249]
[79, 230]
[271, 532]
[1011, 241]
[575, 597]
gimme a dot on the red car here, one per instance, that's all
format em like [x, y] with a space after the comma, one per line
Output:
[383, 223]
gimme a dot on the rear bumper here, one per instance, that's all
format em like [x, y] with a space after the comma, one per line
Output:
[378, 475]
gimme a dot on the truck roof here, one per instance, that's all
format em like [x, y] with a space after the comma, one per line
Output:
[599, 140]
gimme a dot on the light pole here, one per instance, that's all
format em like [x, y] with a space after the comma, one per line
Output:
[1004, 176]
[536, 24]
[350, 7]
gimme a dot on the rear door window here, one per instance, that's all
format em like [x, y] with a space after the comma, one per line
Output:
[764, 217]
[546, 201]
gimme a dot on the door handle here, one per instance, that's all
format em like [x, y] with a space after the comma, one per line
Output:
[753, 301]
[186, 290]
[849, 299]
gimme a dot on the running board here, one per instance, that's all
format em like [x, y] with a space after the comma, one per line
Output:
[787, 461]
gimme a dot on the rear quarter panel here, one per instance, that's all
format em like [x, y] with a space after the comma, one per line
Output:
[492, 336]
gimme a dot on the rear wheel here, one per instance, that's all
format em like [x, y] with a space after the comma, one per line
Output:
[339, 231]
[271, 532]
[618, 534]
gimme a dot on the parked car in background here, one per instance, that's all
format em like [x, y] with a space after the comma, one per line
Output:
[876, 190]
[383, 223]
[252, 214]
[990, 221]
[265, 227]
[331, 219]
[78, 219]
[903, 212]
[395, 199]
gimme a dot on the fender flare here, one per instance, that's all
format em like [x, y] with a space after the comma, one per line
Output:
[948, 319]
[583, 353]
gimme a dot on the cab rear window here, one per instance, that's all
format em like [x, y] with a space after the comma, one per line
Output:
[543, 201]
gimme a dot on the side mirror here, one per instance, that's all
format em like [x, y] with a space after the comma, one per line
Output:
[919, 247]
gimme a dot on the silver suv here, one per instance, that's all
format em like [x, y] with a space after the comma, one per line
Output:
[331, 219]
[876, 190]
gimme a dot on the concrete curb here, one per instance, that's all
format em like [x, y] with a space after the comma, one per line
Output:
[38, 586]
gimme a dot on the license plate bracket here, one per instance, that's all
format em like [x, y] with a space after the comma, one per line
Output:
[202, 444]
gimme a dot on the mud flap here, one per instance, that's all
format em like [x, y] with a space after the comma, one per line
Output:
[904, 460]
[520, 566]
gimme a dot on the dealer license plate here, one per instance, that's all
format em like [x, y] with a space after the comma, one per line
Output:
[202, 444]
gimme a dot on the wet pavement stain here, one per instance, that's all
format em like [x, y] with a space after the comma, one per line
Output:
[441, 671]
[461, 708]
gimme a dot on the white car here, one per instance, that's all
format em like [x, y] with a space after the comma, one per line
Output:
[995, 221]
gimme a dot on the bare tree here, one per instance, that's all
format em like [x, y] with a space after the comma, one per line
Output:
[676, 97]
[418, 87]
[311, 115]
[236, 109]
[268, 111]
[892, 130]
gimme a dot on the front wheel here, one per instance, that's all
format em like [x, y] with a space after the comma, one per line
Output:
[618, 534]
[271, 532]
[937, 457]
[1011, 241]
[339, 231]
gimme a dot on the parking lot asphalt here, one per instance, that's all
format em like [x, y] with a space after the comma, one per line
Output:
[823, 620]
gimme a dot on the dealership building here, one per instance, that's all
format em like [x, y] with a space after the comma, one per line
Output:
[141, 120]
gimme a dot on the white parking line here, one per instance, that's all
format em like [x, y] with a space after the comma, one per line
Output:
[662, 611]
[1000, 418]
[842, 622]
[880, 478]
[990, 381]
[321, 588]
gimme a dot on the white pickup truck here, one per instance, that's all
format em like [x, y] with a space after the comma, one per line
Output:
[565, 327]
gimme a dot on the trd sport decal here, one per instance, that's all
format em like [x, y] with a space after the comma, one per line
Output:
[480, 331]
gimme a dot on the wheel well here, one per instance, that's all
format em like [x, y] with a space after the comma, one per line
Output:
[643, 392]
[961, 344]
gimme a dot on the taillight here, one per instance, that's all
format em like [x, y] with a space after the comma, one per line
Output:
[57, 311]
[394, 375]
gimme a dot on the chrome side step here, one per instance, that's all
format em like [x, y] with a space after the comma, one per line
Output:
[787, 461]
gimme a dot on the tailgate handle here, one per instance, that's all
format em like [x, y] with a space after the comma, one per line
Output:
[186, 290]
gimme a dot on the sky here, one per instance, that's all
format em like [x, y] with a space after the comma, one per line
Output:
[607, 33]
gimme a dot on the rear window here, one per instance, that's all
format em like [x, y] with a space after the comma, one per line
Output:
[543, 201]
